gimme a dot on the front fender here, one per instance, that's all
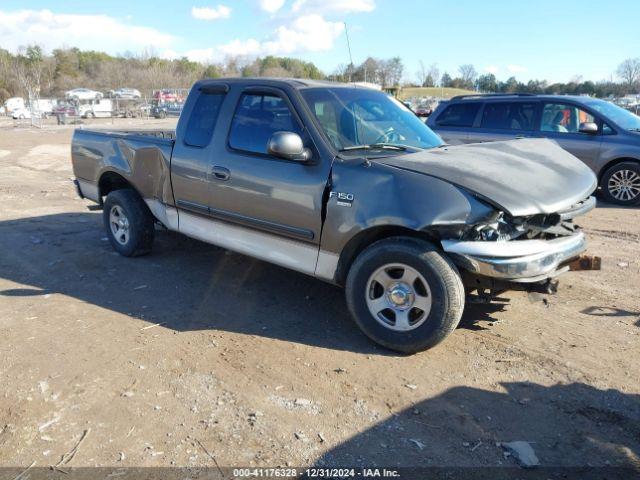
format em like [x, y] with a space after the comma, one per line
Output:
[386, 196]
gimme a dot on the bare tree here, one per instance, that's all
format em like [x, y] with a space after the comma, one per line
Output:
[422, 74]
[434, 73]
[577, 78]
[369, 71]
[391, 72]
[28, 69]
[276, 72]
[468, 75]
[629, 71]
[428, 76]
[341, 73]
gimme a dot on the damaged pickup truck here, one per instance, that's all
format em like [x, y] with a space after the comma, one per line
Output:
[344, 183]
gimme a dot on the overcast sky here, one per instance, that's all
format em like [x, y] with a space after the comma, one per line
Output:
[546, 39]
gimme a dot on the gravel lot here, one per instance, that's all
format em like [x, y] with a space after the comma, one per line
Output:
[193, 346]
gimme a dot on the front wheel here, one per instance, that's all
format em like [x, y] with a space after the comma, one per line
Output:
[621, 184]
[404, 294]
[128, 222]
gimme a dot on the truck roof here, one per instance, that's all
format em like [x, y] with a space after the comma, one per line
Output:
[274, 82]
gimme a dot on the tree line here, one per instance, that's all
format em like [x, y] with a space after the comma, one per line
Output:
[628, 73]
[31, 73]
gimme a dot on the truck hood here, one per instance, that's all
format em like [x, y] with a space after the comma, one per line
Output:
[523, 177]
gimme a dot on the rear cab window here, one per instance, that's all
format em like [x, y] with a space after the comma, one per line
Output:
[458, 115]
[203, 119]
[257, 117]
[509, 116]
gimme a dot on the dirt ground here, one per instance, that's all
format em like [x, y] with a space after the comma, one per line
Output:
[192, 347]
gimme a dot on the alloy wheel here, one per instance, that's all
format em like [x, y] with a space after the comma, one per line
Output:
[398, 297]
[624, 185]
[119, 224]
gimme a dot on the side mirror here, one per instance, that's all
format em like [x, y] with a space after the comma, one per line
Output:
[588, 127]
[288, 145]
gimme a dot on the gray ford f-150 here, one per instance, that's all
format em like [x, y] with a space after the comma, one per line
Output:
[346, 184]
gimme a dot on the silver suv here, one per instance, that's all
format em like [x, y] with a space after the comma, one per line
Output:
[602, 135]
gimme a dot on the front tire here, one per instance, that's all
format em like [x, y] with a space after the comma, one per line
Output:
[404, 294]
[128, 222]
[621, 184]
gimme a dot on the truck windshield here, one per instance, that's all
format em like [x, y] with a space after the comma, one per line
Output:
[354, 117]
[623, 118]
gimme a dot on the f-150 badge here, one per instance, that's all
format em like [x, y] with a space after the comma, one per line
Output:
[342, 199]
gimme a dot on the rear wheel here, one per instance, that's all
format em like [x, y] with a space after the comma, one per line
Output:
[621, 184]
[128, 223]
[404, 294]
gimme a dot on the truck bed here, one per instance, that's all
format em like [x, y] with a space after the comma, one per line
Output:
[164, 134]
[142, 157]
[161, 134]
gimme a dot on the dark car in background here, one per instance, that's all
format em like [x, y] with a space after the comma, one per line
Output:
[167, 110]
[65, 108]
[423, 111]
[601, 134]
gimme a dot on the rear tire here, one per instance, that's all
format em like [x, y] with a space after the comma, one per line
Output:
[128, 222]
[620, 184]
[404, 294]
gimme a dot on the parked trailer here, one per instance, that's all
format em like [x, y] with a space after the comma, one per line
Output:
[129, 108]
[96, 108]
[44, 105]
[13, 103]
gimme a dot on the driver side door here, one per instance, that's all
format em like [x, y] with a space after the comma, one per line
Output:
[251, 188]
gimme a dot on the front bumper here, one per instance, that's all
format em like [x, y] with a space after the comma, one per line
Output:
[520, 261]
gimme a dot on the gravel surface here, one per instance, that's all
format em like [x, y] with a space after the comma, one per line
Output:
[156, 359]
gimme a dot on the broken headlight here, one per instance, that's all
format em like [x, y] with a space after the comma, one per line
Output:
[496, 228]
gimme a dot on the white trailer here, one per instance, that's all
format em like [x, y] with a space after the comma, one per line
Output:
[93, 109]
[43, 105]
[13, 103]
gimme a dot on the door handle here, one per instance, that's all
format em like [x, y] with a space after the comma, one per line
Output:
[220, 173]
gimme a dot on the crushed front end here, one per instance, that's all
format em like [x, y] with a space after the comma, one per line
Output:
[521, 253]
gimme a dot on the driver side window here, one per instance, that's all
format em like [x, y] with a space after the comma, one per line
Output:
[257, 117]
[563, 118]
[328, 119]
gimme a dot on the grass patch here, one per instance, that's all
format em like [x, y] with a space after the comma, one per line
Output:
[433, 92]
